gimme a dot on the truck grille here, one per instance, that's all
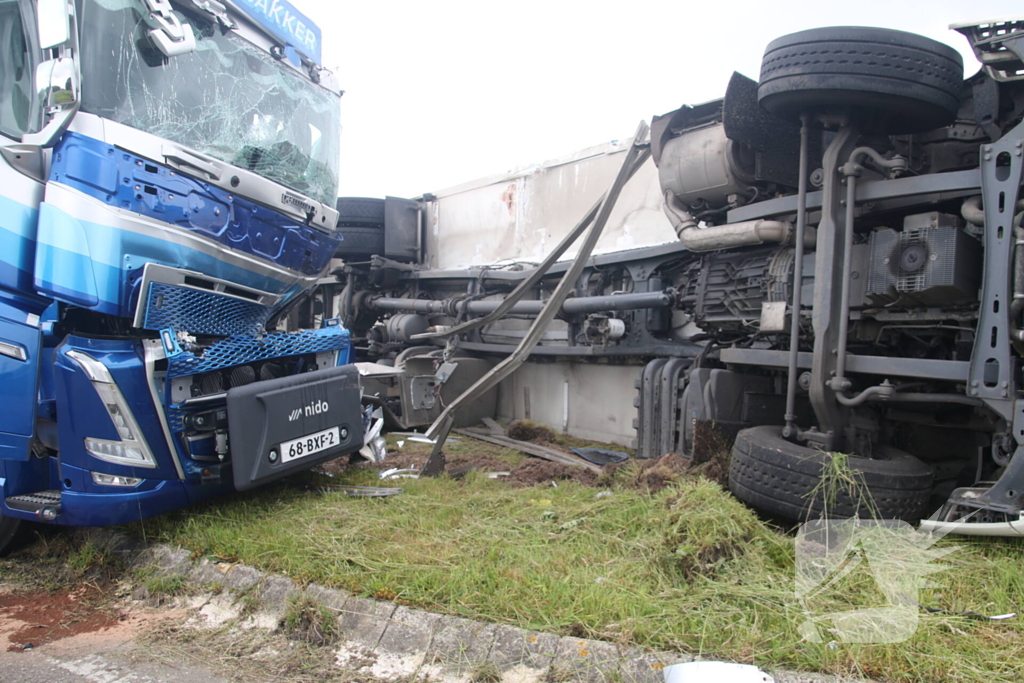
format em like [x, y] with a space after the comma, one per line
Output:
[200, 312]
[246, 350]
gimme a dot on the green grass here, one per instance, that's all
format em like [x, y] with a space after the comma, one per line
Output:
[309, 620]
[164, 585]
[688, 568]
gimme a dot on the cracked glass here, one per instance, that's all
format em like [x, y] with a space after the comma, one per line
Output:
[227, 99]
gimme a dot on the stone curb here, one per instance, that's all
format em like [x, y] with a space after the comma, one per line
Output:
[390, 641]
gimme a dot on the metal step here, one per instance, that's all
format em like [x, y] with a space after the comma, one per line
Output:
[45, 504]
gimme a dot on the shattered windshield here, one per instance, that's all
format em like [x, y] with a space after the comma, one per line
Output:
[228, 99]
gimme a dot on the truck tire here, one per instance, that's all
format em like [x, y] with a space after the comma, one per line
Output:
[361, 226]
[8, 531]
[778, 477]
[894, 82]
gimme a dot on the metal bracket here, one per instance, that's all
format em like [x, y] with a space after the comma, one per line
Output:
[217, 10]
[27, 160]
[991, 370]
[422, 392]
[171, 36]
[829, 275]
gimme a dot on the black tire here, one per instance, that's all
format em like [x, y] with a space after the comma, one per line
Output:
[8, 532]
[361, 226]
[892, 81]
[778, 477]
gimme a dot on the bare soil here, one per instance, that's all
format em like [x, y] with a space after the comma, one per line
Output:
[651, 475]
[30, 619]
[537, 472]
[658, 474]
[525, 430]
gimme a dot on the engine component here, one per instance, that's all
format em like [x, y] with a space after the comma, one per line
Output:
[241, 376]
[931, 262]
[573, 306]
[403, 326]
[726, 291]
[209, 383]
[748, 233]
[271, 371]
[600, 329]
[703, 167]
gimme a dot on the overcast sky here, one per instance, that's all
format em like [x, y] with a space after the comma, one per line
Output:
[439, 93]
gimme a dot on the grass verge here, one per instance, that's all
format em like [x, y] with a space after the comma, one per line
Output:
[687, 568]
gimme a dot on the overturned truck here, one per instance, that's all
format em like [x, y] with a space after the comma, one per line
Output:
[826, 263]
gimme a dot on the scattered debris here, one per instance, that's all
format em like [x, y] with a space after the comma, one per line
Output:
[526, 430]
[493, 426]
[357, 491]
[715, 672]
[601, 456]
[532, 449]
[419, 438]
[401, 473]
[374, 447]
[970, 613]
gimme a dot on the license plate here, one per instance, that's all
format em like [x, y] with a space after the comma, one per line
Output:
[309, 444]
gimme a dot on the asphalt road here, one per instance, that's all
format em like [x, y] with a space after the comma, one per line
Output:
[124, 663]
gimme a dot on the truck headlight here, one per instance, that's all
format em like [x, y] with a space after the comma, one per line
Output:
[132, 448]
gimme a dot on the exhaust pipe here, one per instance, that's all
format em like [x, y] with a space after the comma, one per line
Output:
[730, 235]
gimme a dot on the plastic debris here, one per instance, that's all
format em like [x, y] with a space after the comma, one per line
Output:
[400, 444]
[601, 456]
[419, 438]
[374, 447]
[715, 672]
[399, 473]
[357, 491]
[603, 494]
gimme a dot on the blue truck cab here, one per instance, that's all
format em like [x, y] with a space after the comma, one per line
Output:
[168, 174]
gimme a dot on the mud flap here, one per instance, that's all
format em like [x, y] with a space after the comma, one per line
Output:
[282, 426]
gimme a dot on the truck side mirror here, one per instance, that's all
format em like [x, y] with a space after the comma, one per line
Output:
[53, 23]
[57, 81]
[58, 92]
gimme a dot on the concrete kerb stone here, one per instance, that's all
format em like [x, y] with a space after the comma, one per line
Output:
[461, 645]
[330, 598]
[206, 572]
[515, 647]
[591, 661]
[168, 561]
[408, 631]
[274, 594]
[637, 665]
[363, 620]
[240, 578]
[433, 641]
